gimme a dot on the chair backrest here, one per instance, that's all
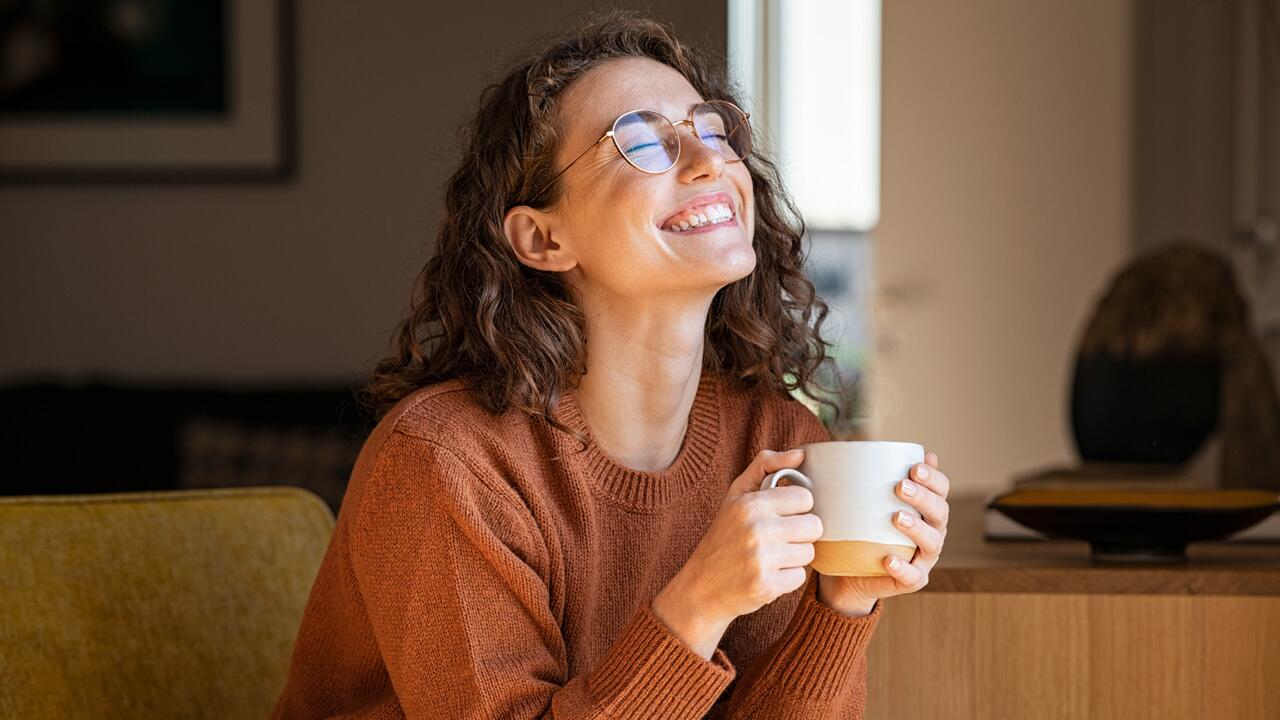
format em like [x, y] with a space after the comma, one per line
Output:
[154, 604]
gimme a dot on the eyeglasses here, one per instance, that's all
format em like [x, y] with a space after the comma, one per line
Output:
[649, 141]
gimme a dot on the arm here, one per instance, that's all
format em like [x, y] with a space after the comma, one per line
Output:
[817, 668]
[451, 568]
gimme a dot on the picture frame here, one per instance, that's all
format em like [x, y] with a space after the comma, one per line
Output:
[242, 131]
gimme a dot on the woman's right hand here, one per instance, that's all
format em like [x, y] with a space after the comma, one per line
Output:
[756, 548]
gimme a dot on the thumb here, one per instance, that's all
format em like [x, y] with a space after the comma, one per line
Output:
[765, 462]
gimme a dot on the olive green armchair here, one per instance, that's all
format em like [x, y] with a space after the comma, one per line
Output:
[178, 604]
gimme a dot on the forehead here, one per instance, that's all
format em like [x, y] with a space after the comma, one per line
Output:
[600, 95]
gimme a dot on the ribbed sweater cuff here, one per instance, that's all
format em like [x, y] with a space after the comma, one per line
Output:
[818, 658]
[651, 673]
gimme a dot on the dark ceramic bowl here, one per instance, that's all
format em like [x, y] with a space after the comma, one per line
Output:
[1137, 525]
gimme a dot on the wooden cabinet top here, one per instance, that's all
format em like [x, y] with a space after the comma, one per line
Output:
[970, 563]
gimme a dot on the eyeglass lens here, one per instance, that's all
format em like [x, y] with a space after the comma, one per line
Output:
[650, 142]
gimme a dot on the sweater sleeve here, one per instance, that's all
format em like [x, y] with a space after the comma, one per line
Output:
[817, 669]
[452, 570]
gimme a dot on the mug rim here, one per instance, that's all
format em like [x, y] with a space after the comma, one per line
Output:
[863, 442]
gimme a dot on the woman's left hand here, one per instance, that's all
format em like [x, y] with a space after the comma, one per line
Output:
[856, 595]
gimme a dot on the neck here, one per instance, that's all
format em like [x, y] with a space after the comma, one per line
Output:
[644, 363]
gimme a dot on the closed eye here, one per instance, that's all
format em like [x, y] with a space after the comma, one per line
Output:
[641, 146]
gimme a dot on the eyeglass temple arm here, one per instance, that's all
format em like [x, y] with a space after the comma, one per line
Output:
[581, 155]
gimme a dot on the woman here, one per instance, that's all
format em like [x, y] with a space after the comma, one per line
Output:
[552, 518]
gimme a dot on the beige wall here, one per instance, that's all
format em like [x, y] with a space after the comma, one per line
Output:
[1184, 122]
[1006, 205]
[295, 281]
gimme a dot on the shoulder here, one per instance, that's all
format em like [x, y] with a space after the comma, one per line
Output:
[446, 425]
[439, 444]
[445, 412]
[779, 413]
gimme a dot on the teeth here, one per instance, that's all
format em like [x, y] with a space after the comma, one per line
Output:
[710, 214]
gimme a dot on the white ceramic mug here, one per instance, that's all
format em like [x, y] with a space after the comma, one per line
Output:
[854, 494]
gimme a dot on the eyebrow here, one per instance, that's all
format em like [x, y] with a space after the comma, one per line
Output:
[684, 115]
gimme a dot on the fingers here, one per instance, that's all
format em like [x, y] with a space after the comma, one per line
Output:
[796, 555]
[805, 528]
[932, 478]
[935, 510]
[909, 574]
[779, 460]
[765, 462]
[780, 499]
[926, 537]
[785, 500]
[931, 458]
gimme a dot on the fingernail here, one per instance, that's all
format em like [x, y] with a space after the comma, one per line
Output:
[905, 519]
[922, 472]
[894, 562]
[908, 487]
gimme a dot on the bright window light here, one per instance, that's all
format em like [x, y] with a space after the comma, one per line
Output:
[811, 70]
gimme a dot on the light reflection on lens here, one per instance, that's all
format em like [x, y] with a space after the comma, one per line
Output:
[650, 142]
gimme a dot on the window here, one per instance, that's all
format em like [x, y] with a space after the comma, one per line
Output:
[810, 74]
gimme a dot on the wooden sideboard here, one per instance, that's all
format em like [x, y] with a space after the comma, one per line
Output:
[1034, 630]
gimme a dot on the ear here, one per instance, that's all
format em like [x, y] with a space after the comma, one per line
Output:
[529, 233]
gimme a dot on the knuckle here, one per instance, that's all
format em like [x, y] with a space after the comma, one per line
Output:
[809, 553]
[816, 528]
[797, 494]
[795, 579]
[805, 496]
[938, 537]
[933, 546]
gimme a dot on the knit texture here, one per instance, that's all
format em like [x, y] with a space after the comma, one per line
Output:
[472, 574]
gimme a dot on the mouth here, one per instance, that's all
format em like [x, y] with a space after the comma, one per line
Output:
[716, 215]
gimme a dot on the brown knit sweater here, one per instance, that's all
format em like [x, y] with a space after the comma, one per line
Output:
[471, 575]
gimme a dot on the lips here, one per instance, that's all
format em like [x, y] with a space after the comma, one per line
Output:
[699, 201]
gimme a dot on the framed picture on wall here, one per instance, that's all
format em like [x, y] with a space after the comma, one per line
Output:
[146, 90]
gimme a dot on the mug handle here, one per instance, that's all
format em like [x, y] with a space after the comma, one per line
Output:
[771, 480]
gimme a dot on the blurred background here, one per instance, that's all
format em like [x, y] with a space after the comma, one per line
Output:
[1048, 227]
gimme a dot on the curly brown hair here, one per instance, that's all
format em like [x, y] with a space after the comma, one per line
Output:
[517, 333]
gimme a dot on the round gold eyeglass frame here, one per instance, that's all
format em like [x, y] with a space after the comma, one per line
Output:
[675, 127]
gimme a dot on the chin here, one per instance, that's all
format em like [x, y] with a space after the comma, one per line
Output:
[736, 266]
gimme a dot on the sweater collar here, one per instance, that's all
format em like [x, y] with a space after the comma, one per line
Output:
[640, 490]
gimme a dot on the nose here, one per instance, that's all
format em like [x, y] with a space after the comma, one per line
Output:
[697, 160]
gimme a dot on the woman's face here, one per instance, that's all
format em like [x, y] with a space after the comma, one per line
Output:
[611, 230]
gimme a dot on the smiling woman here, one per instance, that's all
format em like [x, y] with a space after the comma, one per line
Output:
[559, 513]
[525, 339]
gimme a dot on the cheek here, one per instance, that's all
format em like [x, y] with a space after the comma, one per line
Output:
[616, 237]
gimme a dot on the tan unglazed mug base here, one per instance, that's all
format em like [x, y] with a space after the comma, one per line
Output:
[856, 558]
